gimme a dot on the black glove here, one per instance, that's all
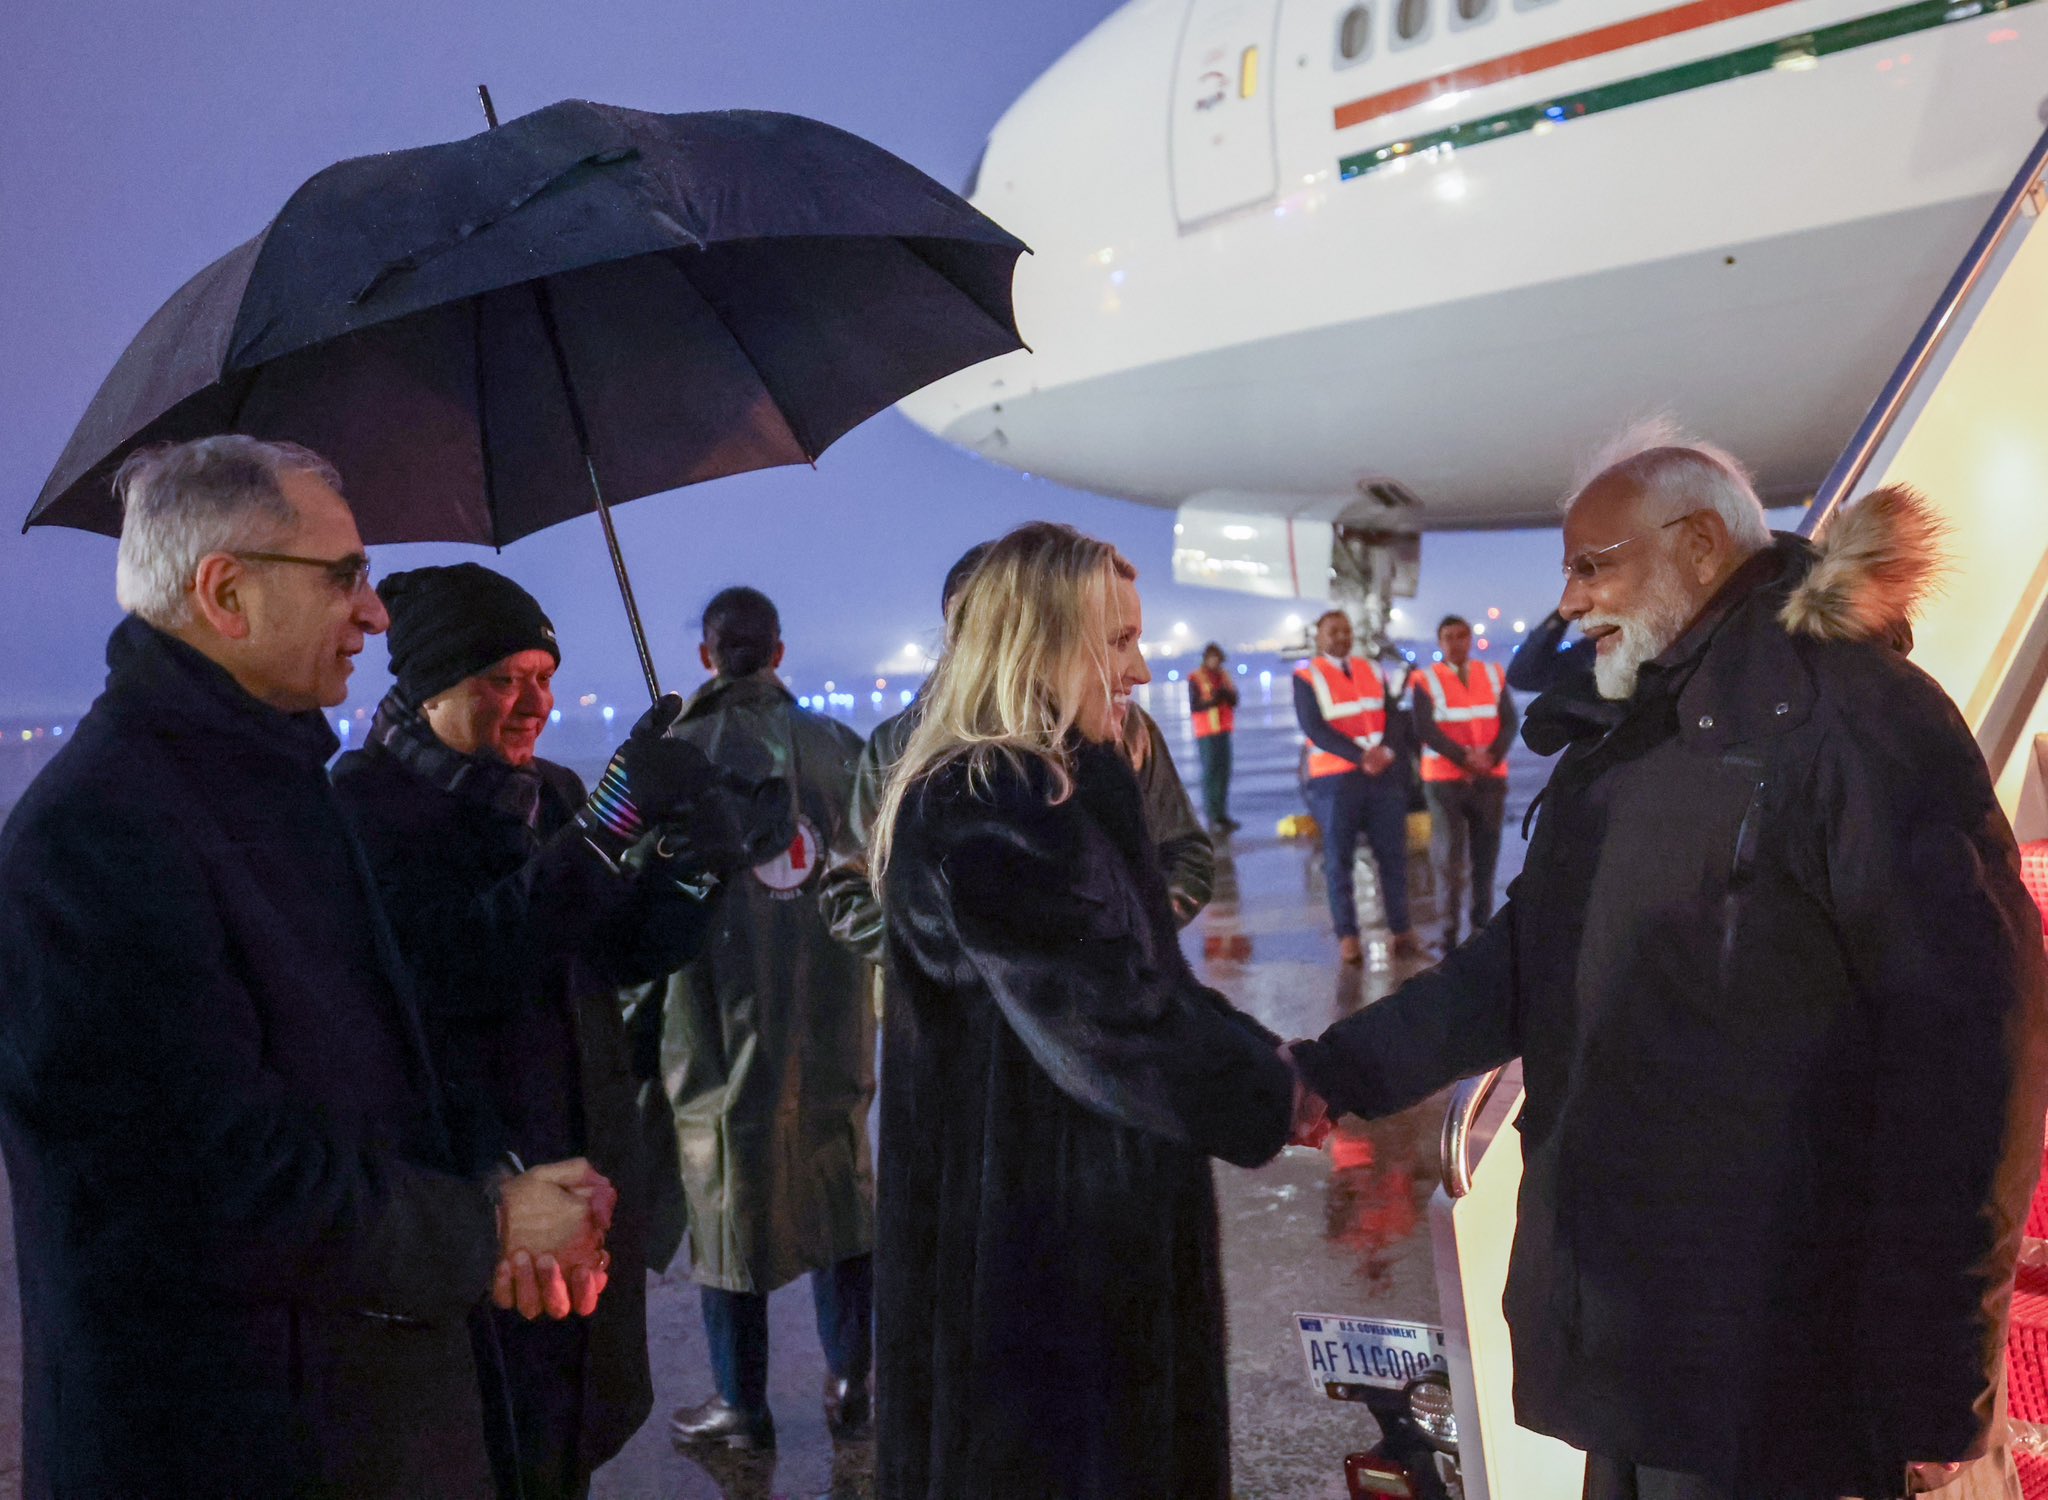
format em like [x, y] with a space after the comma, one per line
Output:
[732, 825]
[649, 778]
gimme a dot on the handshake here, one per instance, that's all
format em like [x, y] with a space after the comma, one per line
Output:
[1312, 1122]
[552, 1221]
[677, 812]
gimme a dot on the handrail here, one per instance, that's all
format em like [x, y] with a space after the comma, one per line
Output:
[1878, 421]
[1466, 1102]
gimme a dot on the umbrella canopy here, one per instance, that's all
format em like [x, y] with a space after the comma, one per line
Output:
[480, 334]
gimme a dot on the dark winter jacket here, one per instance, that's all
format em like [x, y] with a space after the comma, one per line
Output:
[521, 937]
[1049, 1300]
[854, 911]
[768, 1042]
[247, 1257]
[1778, 993]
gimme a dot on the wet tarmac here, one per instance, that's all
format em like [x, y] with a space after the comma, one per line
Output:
[1342, 1231]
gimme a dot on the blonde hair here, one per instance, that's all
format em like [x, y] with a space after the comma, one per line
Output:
[1026, 642]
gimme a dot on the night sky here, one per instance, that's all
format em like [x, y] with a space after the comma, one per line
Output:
[138, 142]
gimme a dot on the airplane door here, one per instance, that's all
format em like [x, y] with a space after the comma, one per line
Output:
[1222, 133]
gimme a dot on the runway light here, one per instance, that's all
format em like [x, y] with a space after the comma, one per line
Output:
[904, 697]
[1520, 626]
[28, 734]
[608, 712]
[1265, 679]
[876, 699]
[341, 727]
[554, 716]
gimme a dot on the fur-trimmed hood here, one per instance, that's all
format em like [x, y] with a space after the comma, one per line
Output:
[1877, 562]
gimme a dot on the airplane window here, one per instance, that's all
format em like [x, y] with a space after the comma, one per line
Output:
[1354, 34]
[1473, 11]
[1411, 19]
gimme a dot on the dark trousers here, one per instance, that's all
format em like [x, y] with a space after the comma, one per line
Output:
[544, 1373]
[1464, 828]
[736, 1326]
[1377, 806]
[1618, 1479]
[1215, 753]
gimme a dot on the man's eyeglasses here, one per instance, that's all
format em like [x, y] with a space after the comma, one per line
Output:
[1585, 568]
[349, 574]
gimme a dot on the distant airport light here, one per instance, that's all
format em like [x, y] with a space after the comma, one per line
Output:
[876, 699]
[831, 687]
[1180, 627]
[911, 648]
[1242, 669]
[1293, 622]
[1493, 614]
[587, 699]
[1265, 679]
[56, 731]
[608, 712]
[1520, 626]
[341, 727]
[904, 697]
[1173, 677]
[881, 682]
[554, 716]
[1436, 656]
[1485, 644]
[28, 734]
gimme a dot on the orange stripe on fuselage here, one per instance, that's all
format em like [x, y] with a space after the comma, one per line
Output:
[1571, 49]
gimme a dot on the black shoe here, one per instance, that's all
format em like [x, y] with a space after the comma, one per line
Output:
[718, 1422]
[846, 1404]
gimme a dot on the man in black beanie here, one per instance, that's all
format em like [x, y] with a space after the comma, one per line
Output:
[516, 904]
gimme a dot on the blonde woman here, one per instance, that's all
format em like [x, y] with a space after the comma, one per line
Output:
[1054, 1082]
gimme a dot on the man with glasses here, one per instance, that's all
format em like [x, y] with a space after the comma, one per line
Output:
[248, 1254]
[1779, 997]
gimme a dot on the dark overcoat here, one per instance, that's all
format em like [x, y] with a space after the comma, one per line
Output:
[520, 937]
[1054, 1081]
[1778, 991]
[246, 1256]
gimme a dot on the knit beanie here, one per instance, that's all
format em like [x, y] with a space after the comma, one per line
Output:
[451, 623]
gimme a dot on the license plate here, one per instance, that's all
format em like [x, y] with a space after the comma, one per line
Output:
[1349, 1356]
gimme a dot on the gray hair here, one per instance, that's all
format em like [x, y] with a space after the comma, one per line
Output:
[182, 501]
[1676, 474]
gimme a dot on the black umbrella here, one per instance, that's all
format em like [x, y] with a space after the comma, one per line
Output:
[587, 305]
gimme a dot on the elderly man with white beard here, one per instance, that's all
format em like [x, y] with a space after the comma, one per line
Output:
[1779, 996]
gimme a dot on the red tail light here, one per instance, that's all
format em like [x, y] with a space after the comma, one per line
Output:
[1368, 1474]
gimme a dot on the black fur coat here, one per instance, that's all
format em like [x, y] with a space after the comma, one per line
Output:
[1054, 1082]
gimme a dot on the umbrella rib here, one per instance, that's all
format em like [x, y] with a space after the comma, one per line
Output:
[1009, 327]
[774, 400]
[483, 421]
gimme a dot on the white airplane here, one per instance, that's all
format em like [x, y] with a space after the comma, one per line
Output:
[1400, 265]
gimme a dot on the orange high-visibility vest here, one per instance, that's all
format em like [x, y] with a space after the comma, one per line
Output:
[1220, 719]
[1353, 699]
[1467, 712]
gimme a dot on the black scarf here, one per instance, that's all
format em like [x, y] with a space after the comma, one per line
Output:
[512, 790]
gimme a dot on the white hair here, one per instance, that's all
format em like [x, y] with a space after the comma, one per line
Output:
[1677, 474]
[182, 501]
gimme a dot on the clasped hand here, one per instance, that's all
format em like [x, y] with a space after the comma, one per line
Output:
[1312, 1123]
[552, 1221]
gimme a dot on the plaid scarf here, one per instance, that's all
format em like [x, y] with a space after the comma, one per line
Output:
[512, 790]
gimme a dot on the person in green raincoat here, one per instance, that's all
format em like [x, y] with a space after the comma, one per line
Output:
[767, 1053]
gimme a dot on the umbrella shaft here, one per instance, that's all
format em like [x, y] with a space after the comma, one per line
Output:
[611, 541]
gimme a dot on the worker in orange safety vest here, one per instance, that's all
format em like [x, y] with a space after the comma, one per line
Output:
[1465, 718]
[1212, 705]
[1340, 701]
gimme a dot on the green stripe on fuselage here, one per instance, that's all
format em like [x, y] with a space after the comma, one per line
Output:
[1923, 15]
